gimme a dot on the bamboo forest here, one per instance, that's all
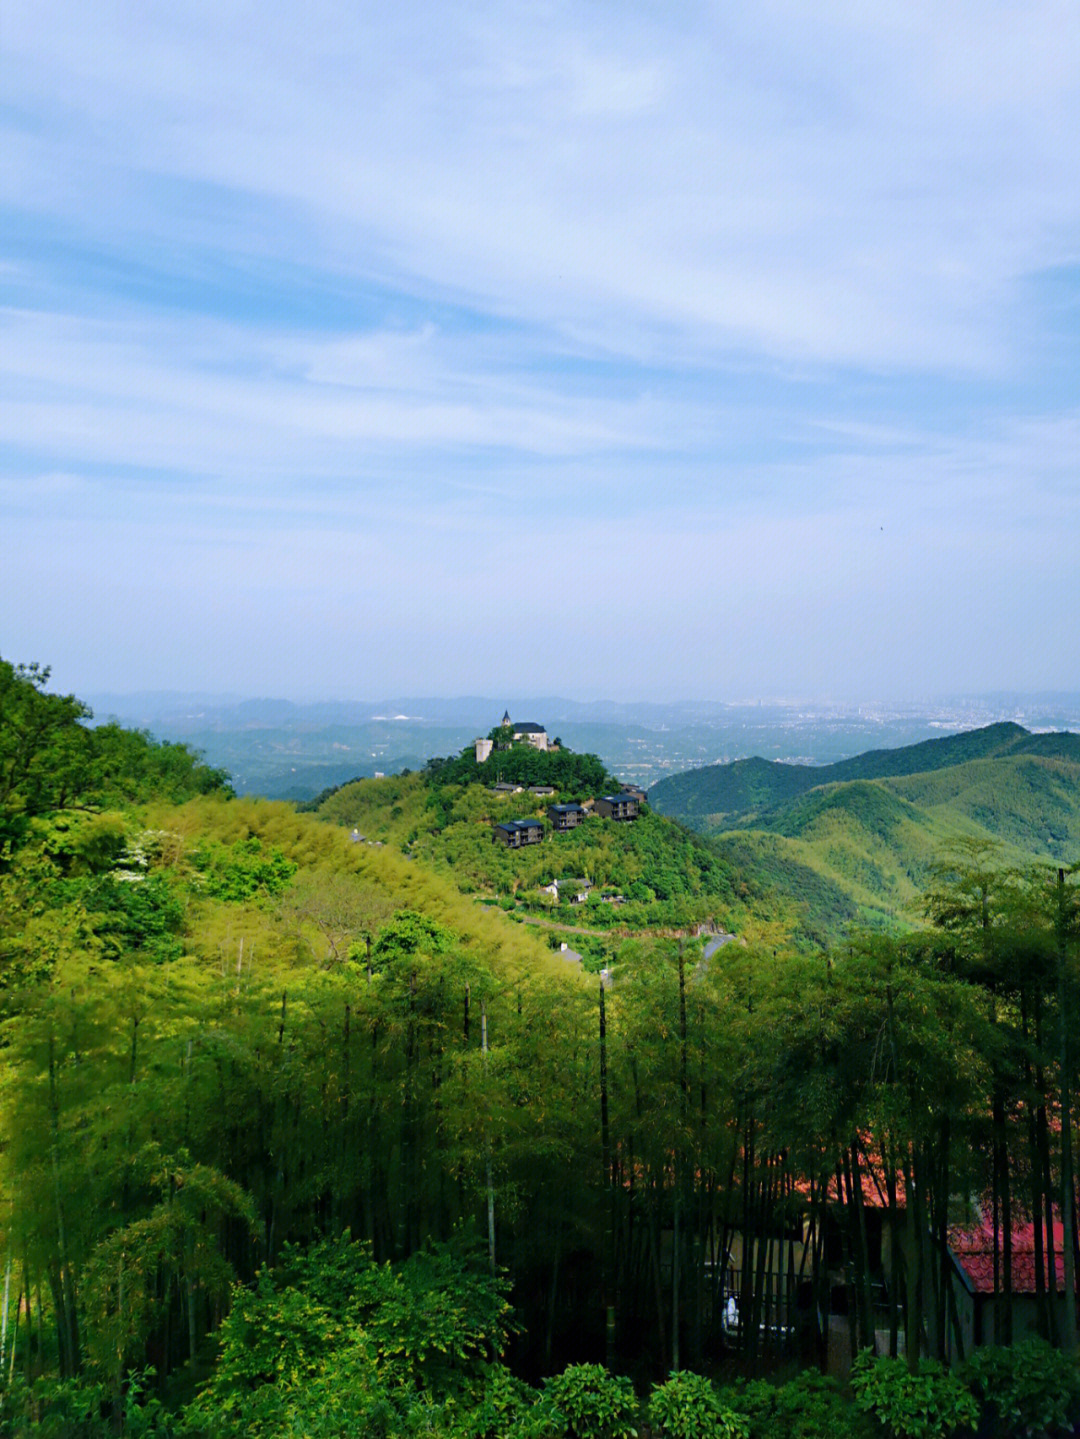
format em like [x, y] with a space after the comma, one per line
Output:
[308, 1132]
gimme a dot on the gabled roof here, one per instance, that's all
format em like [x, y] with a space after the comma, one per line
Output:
[510, 825]
[566, 809]
[973, 1251]
[527, 727]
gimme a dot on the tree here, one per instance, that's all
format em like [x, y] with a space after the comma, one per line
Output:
[43, 750]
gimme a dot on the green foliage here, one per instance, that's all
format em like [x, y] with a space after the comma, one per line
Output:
[316, 1379]
[80, 1408]
[333, 1336]
[930, 1403]
[594, 1403]
[441, 1319]
[1029, 1388]
[670, 877]
[42, 745]
[743, 791]
[177, 1241]
[408, 934]
[136, 914]
[81, 844]
[687, 1406]
[855, 841]
[131, 766]
[810, 1406]
[508, 1408]
[55, 1409]
[575, 776]
[242, 870]
[51, 760]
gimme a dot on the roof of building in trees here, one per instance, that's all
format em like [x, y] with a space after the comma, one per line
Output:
[973, 1251]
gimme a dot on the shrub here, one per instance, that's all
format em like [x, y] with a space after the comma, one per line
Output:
[809, 1406]
[687, 1406]
[1028, 1387]
[510, 1407]
[928, 1404]
[331, 1338]
[594, 1403]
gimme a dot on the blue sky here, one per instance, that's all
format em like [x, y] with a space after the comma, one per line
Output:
[702, 351]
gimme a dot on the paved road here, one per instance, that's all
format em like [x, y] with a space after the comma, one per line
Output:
[716, 942]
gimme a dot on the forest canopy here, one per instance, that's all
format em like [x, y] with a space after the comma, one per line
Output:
[51, 758]
[300, 1136]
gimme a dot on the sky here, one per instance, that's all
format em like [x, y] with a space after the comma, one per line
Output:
[619, 350]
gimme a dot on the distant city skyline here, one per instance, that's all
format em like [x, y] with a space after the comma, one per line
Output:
[631, 352]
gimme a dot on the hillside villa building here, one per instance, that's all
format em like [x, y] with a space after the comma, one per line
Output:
[566, 816]
[618, 806]
[514, 833]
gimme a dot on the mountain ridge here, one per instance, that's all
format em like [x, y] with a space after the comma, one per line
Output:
[752, 787]
[858, 840]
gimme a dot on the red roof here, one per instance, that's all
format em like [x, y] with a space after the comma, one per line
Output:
[974, 1252]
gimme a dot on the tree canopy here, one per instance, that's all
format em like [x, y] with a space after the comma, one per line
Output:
[294, 1122]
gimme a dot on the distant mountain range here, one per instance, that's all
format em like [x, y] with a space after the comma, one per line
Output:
[855, 840]
[288, 750]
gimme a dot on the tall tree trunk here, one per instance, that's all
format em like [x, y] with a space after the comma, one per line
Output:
[487, 1149]
[913, 1268]
[1069, 1335]
[944, 1185]
[1007, 1231]
[64, 1287]
[677, 1171]
[889, 1158]
[746, 1333]
[606, 1193]
[866, 1307]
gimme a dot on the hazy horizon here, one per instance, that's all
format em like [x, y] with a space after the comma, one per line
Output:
[542, 349]
[517, 704]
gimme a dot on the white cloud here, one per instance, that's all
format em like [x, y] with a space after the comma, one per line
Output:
[326, 318]
[822, 181]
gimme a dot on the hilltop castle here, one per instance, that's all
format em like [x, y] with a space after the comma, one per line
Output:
[524, 732]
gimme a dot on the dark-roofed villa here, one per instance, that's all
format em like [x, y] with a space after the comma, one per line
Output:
[565, 816]
[514, 833]
[618, 806]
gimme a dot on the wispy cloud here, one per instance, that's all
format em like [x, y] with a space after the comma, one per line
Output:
[751, 323]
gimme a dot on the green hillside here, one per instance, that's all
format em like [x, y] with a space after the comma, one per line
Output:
[816, 849]
[1028, 800]
[873, 844]
[647, 874]
[729, 794]
[868, 830]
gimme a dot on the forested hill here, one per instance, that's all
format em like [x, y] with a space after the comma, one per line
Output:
[730, 795]
[605, 877]
[307, 1128]
[859, 840]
